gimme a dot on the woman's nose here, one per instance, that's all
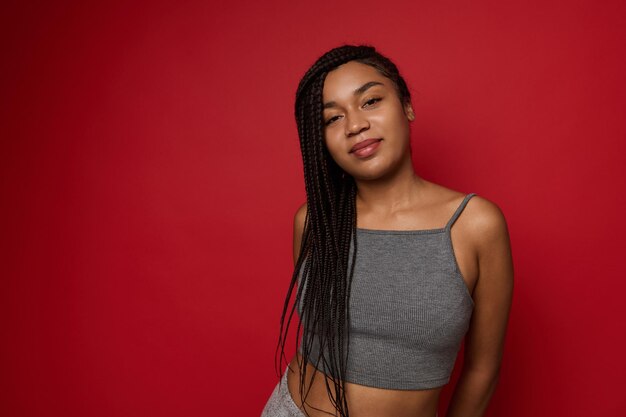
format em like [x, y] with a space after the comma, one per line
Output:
[355, 124]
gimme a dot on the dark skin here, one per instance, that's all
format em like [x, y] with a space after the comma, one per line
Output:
[391, 196]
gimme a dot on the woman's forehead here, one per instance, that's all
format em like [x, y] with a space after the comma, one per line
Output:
[345, 80]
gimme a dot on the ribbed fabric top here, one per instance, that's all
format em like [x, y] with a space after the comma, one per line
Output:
[409, 308]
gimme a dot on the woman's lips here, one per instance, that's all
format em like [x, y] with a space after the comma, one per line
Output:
[365, 148]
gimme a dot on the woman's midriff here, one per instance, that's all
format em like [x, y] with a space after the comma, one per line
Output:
[362, 401]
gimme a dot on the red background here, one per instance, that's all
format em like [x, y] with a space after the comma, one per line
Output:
[150, 170]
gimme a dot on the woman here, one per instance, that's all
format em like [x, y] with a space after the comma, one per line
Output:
[386, 286]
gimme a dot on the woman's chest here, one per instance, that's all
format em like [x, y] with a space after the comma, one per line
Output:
[406, 286]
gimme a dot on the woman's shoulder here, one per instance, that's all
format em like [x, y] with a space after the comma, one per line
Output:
[482, 220]
[485, 221]
[300, 216]
[298, 229]
[481, 217]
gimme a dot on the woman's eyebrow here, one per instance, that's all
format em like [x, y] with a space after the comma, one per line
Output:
[356, 92]
[365, 87]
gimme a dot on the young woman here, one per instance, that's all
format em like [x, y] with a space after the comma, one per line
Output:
[391, 271]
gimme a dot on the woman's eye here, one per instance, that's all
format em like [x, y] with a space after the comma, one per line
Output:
[331, 120]
[372, 101]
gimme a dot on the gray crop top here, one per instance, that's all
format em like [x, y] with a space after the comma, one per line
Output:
[409, 308]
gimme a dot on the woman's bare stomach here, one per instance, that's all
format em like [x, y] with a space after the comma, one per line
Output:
[362, 401]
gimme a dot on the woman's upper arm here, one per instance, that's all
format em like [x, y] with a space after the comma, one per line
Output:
[298, 227]
[493, 292]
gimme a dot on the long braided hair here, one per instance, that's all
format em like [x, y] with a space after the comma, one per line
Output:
[322, 274]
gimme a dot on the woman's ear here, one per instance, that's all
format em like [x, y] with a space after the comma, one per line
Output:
[408, 110]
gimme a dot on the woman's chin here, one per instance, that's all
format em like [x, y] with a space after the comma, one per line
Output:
[375, 170]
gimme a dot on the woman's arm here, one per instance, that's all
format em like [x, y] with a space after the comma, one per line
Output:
[492, 297]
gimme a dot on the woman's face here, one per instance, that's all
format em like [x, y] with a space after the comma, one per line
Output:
[366, 126]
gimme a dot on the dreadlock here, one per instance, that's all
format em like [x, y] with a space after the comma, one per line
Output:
[323, 290]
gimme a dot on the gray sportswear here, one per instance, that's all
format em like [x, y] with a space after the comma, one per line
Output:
[409, 308]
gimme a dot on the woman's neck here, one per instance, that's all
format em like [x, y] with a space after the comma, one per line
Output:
[392, 193]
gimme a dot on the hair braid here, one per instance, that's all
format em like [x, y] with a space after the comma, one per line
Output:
[321, 273]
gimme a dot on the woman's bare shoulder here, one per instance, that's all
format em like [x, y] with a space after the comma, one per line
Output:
[481, 218]
[298, 228]
[484, 221]
[299, 217]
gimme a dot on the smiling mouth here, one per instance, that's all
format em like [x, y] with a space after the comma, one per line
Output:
[364, 144]
[366, 148]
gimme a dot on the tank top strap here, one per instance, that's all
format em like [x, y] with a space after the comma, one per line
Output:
[459, 210]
